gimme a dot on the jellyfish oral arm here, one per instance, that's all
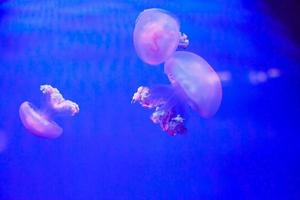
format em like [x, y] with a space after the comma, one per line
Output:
[67, 107]
[183, 41]
[168, 120]
[165, 102]
[143, 97]
[141, 93]
[152, 97]
[57, 103]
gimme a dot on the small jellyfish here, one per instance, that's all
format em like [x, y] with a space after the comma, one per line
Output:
[40, 122]
[193, 83]
[157, 35]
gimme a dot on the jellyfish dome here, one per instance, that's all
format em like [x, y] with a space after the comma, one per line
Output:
[156, 36]
[40, 122]
[196, 81]
[37, 123]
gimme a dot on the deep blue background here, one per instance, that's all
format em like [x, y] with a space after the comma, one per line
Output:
[111, 150]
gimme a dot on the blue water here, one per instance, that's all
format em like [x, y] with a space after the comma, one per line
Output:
[111, 149]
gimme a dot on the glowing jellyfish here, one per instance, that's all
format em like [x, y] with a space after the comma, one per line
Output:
[157, 35]
[196, 80]
[193, 83]
[40, 122]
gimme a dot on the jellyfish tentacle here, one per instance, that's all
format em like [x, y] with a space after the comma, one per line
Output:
[53, 95]
[168, 110]
[146, 98]
[152, 97]
[141, 95]
[171, 114]
[67, 107]
[183, 41]
[169, 120]
[57, 102]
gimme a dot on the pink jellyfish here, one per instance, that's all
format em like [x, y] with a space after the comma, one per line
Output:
[39, 122]
[156, 36]
[193, 83]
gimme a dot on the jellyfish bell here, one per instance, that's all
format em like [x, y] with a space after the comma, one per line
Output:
[196, 81]
[40, 122]
[157, 35]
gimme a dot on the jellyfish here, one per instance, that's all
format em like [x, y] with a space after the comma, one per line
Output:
[40, 121]
[194, 84]
[157, 35]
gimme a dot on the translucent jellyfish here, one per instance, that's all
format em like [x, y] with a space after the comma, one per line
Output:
[193, 83]
[40, 122]
[196, 80]
[157, 35]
